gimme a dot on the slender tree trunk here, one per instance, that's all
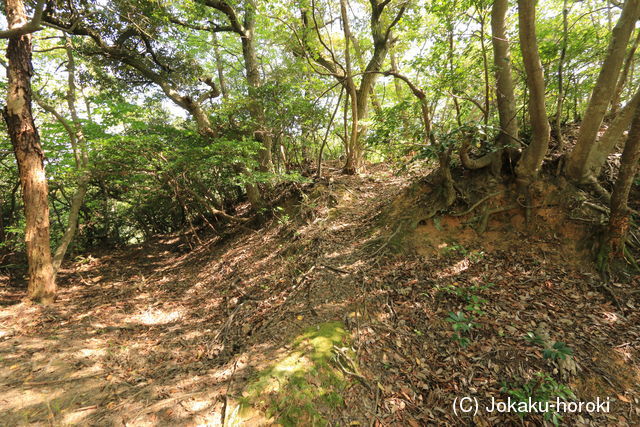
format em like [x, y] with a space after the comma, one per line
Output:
[504, 81]
[353, 150]
[454, 89]
[256, 109]
[485, 68]
[529, 165]
[219, 67]
[563, 52]
[624, 75]
[619, 219]
[79, 145]
[602, 92]
[394, 68]
[30, 158]
[326, 134]
[608, 142]
[361, 63]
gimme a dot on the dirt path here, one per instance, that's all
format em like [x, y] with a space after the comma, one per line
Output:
[152, 334]
[181, 331]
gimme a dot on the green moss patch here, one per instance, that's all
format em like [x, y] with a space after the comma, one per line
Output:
[302, 386]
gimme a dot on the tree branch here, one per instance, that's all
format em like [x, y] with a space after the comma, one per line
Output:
[229, 11]
[29, 27]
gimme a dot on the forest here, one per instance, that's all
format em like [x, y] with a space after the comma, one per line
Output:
[320, 212]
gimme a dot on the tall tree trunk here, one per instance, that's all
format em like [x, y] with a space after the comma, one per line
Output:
[30, 158]
[608, 142]
[531, 160]
[485, 68]
[361, 63]
[80, 149]
[352, 146]
[504, 82]
[454, 89]
[624, 75]
[256, 109]
[219, 67]
[602, 92]
[563, 52]
[619, 219]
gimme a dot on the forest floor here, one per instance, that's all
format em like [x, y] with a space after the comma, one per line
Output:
[349, 307]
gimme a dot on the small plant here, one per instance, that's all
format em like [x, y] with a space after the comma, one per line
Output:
[542, 389]
[534, 338]
[461, 325]
[455, 249]
[281, 216]
[474, 304]
[558, 350]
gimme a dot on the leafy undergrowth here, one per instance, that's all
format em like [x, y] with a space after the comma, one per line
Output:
[356, 304]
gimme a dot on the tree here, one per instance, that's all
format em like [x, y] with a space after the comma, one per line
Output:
[619, 217]
[504, 82]
[603, 92]
[529, 164]
[381, 36]
[28, 151]
[245, 28]
[78, 143]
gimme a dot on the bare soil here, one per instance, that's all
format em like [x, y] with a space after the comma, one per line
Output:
[173, 332]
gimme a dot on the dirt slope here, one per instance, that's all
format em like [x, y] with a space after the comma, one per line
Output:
[340, 310]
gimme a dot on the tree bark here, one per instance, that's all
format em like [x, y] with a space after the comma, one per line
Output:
[624, 75]
[30, 158]
[619, 218]
[602, 92]
[529, 165]
[563, 52]
[256, 109]
[381, 36]
[352, 149]
[505, 96]
[608, 142]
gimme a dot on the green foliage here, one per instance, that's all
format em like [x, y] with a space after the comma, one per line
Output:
[462, 325]
[559, 350]
[542, 388]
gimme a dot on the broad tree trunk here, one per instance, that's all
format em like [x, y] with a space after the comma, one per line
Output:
[30, 158]
[619, 219]
[602, 92]
[504, 82]
[529, 165]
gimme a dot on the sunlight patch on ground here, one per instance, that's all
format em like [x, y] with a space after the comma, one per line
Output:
[90, 352]
[157, 317]
[455, 269]
[301, 384]
[77, 417]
